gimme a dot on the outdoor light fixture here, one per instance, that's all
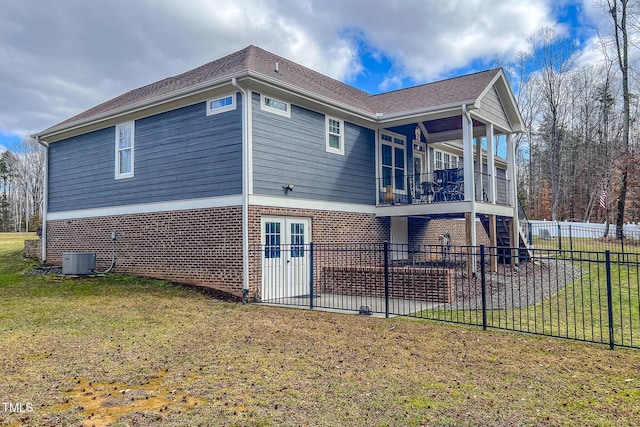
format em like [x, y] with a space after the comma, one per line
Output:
[287, 188]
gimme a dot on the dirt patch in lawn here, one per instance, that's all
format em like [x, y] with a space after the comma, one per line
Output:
[102, 404]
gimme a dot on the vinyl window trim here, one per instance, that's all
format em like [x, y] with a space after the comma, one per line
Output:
[119, 150]
[275, 106]
[221, 104]
[330, 131]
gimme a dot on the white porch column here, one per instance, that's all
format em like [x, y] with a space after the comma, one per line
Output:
[469, 186]
[491, 166]
[478, 170]
[467, 152]
[513, 195]
[511, 173]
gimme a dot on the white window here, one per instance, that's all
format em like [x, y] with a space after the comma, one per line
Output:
[275, 106]
[393, 161]
[446, 161]
[220, 105]
[438, 164]
[124, 150]
[335, 135]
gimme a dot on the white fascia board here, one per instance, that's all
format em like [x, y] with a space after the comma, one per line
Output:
[502, 85]
[421, 112]
[491, 209]
[424, 209]
[312, 96]
[491, 83]
[178, 205]
[497, 129]
[141, 105]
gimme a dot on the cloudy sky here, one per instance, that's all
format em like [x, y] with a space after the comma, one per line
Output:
[58, 58]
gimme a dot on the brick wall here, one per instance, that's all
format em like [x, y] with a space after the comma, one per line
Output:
[200, 246]
[204, 246]
[326, 226]
[426, 232]
[425, 284]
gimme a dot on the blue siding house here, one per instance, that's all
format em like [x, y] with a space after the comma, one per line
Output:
[252, 149]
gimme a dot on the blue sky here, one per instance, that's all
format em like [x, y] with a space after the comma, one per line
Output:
[60, 58]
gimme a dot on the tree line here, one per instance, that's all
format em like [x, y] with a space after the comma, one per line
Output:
[578, 158]
[22, 187]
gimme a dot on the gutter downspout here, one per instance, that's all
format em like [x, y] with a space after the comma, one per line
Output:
[246, 102]
[45, 197]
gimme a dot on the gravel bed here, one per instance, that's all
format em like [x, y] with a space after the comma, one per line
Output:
[511, 287]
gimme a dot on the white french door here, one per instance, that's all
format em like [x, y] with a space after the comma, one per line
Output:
[285, 257]
[419, 168]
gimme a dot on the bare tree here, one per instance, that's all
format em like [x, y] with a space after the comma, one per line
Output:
[618, 10]
[22, 187]
[553, 55]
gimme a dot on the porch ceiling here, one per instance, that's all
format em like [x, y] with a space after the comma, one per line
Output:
[442, 129]
[447, 124]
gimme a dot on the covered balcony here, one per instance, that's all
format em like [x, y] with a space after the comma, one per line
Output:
[453, 160]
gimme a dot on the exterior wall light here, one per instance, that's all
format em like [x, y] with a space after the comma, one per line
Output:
[287, 188]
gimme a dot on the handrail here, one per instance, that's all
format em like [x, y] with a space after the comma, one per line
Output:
[445, 185]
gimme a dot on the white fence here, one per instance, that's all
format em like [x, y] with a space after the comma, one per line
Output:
[551, 229]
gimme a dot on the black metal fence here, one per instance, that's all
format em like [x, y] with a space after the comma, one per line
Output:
[579, 295]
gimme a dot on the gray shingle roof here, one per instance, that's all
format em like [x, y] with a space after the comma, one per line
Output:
[451, 91]
[258, 61]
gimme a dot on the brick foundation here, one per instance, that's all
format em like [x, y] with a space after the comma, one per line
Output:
[204, 246]
[200, 246]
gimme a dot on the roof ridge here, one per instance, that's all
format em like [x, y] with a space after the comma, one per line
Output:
[308, 69]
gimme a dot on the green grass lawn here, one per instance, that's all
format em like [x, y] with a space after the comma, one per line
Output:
[586, 244]
[577, 311]
[119, 350]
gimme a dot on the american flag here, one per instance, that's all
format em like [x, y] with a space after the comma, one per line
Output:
[603, 199]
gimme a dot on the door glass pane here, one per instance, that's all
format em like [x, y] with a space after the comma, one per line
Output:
[386, 176]
[399, 168]
[297, 240]
[417, 166]
[387, 155]
[399, 181]
[399, 160]
[272, 240]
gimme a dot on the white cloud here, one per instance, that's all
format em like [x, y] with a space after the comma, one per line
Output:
[59, 58]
